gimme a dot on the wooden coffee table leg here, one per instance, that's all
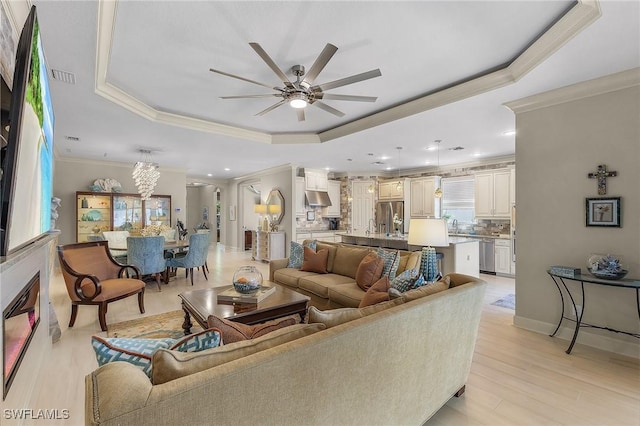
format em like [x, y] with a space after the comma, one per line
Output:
[186, 325]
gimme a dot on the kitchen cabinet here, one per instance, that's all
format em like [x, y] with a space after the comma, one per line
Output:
[493, 194]
[391, 190]
[329, 237]
[422, 201]
[99, 211]
[266, 246]
[316, 180]
[300, 200]
[334, 195]
[503, 257]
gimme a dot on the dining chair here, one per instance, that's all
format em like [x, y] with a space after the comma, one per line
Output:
[195, 257]
[208, 232]
[147, 253]
[93, 277]
[117, 242]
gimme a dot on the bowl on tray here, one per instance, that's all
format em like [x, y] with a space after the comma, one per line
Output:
[247, 280]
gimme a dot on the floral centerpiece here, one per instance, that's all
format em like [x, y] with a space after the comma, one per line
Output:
[397, 223]
[152, 230]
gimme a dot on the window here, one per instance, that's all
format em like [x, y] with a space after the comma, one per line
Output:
[458, 199]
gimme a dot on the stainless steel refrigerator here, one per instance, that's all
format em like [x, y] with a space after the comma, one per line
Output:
[384, 216]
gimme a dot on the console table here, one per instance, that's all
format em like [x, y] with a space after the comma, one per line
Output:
[558, 279]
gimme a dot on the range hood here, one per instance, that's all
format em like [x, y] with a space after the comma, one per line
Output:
[317, 198]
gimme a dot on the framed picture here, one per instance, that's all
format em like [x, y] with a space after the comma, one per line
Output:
[232, 212]
[603, 212]
[311, 215]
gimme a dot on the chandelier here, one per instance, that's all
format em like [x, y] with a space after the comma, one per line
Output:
[145, 175]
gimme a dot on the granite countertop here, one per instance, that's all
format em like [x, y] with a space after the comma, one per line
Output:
[376, 236]
[497, 237]
[317, 231]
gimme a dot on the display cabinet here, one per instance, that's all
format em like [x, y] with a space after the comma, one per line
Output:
[99, 211]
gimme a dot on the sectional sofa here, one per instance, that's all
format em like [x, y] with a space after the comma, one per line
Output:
[398, 363]
[337, 288]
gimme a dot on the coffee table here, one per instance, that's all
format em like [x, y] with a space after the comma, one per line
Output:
[199, 304]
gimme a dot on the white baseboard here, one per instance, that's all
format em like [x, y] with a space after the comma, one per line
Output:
[598, 341]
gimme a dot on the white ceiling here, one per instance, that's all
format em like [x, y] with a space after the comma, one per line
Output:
[147, 65]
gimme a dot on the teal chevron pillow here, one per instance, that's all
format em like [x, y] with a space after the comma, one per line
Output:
[296, 254]
[407, 280]
[391, 262]
[206, 339]
[134, 351]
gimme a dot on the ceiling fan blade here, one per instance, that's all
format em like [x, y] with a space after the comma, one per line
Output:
[348, 97]
[300, 112]
[244, 79]
[272, 107]
[251, 96]
[347, 80]
[265, 57]
[329, 109]
[322, 60]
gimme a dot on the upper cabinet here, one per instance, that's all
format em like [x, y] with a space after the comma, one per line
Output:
[316, 180]
[299, 202]
[334, 195]
[423, 203]
[391, 190]
[493, 194]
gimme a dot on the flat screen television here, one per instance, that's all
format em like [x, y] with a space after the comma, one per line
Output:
[27, 160]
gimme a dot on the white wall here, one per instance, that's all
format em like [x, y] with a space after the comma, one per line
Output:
[74, 175]
[556, 147]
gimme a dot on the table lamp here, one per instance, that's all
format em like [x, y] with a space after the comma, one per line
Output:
[429, 233]
[260, 209]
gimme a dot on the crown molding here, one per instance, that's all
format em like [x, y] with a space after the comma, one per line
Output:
[266, 172]
[103, 163]
[598, 86]
[567, 27]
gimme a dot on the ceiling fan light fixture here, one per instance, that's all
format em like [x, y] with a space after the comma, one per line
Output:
[298, 100]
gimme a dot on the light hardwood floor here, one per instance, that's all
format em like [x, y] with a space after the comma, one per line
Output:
[517, 377]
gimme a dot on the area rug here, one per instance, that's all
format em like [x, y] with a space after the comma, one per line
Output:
[509, 301]
[168, 324]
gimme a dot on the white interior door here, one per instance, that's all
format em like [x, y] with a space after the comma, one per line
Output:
[362, 208]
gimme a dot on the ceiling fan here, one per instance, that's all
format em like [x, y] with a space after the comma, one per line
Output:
[301, 92]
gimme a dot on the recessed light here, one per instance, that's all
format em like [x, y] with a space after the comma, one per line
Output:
[384, 157]
[509, 133]
[389, 168]
[327, 168]
[209, 174]
[477, 154]
[431, 148]
[226, 169]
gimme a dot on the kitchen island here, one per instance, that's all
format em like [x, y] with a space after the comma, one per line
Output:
[461, 256]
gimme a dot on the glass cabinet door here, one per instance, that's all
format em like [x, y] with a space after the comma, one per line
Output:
[157, 210]
[127, 213]
[93, 215]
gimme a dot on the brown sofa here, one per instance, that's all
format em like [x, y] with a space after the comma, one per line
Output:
[394, 366]
[338, 287]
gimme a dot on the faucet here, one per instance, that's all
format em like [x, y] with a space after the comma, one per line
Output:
[454, 226]
[369, 226]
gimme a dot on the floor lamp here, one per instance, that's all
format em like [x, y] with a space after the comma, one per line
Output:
[428, 233]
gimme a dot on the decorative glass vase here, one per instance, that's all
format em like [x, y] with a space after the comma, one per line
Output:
[247, 279]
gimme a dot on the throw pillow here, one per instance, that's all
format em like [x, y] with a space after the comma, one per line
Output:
[296, 254]
[409, 261]
[236, 332]
[315, 262]
[196, 342]
[406, 280]
[378, 292]
[391, 262]
[334, 317]
[427, 289]
[134, 351]
[169, 365]
[369, 271]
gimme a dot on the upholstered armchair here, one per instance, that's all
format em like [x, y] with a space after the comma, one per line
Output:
[147, 254]
[195, 257]
[93, 277]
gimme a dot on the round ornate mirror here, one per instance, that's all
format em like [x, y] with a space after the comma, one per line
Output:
[275, 206]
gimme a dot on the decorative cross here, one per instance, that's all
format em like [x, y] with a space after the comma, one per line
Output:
[602, 174]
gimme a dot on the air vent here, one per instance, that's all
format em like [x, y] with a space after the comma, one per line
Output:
[63, 76]
[456, 148]
[377, 163]
[72, 138]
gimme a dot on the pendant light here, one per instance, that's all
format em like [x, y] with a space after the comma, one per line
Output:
[438, 192]
[399, 184]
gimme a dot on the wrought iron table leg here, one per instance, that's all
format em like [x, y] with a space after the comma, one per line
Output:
[578, 316]
[562, 304]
